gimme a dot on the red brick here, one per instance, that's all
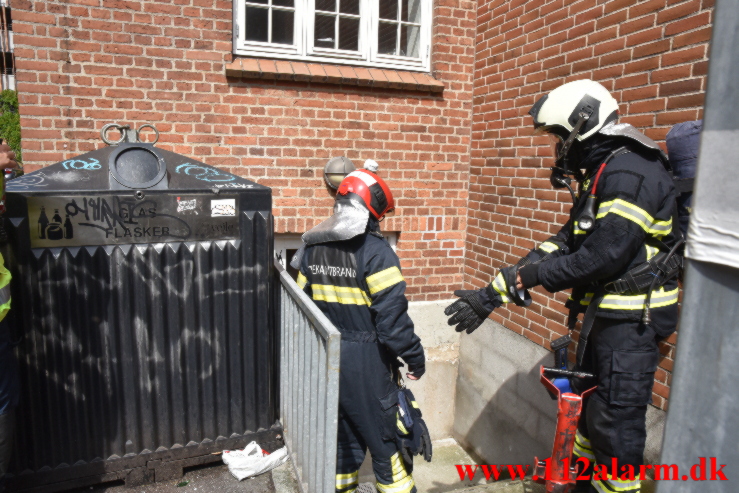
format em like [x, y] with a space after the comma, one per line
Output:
[680, 10]
[692, 38]
[684, 56]
[679, 87]
[678, 27]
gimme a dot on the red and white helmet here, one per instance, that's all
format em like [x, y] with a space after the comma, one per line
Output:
[371, 189]
[360, 195]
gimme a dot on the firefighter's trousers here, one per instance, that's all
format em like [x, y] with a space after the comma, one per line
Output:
[366, 381]
[623, 355]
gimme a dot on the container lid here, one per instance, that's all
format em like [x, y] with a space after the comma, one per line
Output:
[130, 165]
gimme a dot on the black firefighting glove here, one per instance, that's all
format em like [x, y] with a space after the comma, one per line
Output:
[413, 436]
[472, 308]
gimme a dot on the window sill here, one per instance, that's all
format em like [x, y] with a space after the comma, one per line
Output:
[258, 68]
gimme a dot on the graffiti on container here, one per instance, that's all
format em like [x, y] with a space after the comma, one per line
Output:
[91, 164]
[27, 181]
[233, 185]
[204, 173]
[123, 218]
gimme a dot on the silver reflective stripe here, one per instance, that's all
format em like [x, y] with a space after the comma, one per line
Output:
[4, 294]
[548, 247]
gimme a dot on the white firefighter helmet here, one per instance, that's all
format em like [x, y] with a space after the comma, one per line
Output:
[583, 102]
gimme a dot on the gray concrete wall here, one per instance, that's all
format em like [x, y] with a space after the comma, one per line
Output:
[502, 413]
[436, 389]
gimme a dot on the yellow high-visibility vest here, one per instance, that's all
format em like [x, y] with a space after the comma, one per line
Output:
[4, 289]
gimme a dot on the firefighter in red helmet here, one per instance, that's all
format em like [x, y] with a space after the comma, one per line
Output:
[353, 276]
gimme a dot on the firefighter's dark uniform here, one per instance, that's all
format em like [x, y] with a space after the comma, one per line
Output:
[357, 283]
[634, 222]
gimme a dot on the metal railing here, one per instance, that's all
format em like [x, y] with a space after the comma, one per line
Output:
[309, 386]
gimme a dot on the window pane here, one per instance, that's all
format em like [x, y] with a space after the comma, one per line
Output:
[257, 1]
[349, 7]
[387, 37]
[389, 9]
[411, 11]
[257, 24]
[327, 5]
[409, 38]
[348, 34]
[282, 26]
[284, 3]
[324, 31]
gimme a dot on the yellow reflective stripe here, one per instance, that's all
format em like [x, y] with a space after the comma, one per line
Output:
[659, 298]
[384, 279]
[340, 294]
[500, 287]
[414, 404]
[651, 251]
[580, 438]
[347, 480]
[398, 467]
[4, 273]
[616, 485]
[400, 426]
[587, 299]
[302, 280]
[548, 247]
[404, 485]
[582, 447]
[635, 214]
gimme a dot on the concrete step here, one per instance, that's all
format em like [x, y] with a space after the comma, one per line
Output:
[526, 486]
[496, 487]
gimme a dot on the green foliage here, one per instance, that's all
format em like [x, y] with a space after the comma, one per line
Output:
[10, 121]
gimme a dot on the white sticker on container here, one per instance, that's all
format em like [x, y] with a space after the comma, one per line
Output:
[187, 205]
[223, 207]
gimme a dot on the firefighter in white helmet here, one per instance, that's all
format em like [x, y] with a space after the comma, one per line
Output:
[617, 253]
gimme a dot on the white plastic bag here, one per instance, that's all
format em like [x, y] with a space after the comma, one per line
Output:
[252, 461]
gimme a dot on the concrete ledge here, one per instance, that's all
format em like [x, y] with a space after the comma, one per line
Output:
[502, 413]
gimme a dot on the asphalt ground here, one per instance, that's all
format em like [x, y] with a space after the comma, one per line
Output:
[213, 478]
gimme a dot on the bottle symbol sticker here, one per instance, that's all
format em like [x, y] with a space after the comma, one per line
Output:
[43, 222]
[68, 231]
[54, 229]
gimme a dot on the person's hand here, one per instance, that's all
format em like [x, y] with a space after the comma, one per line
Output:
[411, 376]
[7, 157]
[519, 284]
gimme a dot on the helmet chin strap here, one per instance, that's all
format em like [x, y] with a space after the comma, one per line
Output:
[560, 172]
[583, 118]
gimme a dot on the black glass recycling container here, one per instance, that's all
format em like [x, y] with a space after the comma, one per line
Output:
[142, 306]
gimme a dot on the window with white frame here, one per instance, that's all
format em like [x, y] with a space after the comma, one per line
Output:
[372, 33]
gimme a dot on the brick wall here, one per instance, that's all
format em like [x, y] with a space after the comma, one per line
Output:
[84, 63]
[651, 54]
